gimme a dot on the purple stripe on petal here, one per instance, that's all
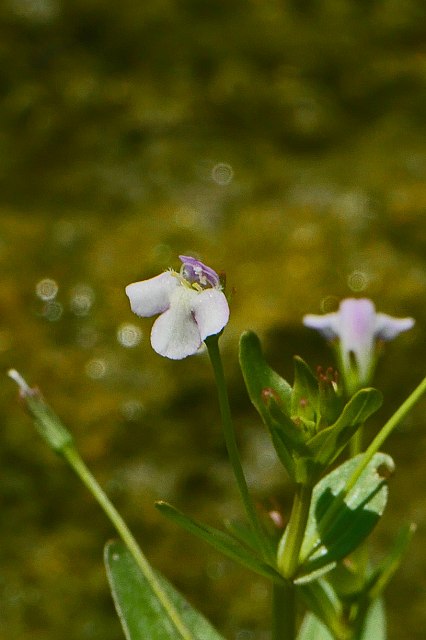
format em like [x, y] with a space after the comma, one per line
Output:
[196, 271]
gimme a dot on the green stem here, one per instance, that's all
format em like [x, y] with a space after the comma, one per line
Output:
[284, 612]
[73, 458]
[374, 447]
[289, 549]
[385, 432]
[355, 445]
[212, 344]
[360, 556]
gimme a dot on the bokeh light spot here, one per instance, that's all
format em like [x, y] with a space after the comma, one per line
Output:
[53, 311]
[357, 281]
[82, 298]
[329, 304]
[132, 410]
[129, 335]
[47, 289]
[96, 368]
[36, 10]
[222, 174]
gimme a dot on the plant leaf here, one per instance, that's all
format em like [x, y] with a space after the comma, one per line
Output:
[339, 522]
[330, 442]
[220, 540]
[375, 622]
[313, 629]
[258, 375]
[323, 602]
[305, 395]
[383, 574]
[274, 407]
[243, 533]
[374, 628]
[141, 613]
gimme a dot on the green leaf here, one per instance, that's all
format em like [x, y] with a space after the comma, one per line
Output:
[374, 628]
[141, 613]
[375, 622]
[243, 533]
[323, 603]
[382, 575]
[338, 521]
[258, 375]
[331, 401]
[305, 395]
[271, 395]
[330, 442]
[313, 629]
[220, 540]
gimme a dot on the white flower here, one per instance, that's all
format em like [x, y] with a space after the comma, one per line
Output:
[358, 327]
[191, 305]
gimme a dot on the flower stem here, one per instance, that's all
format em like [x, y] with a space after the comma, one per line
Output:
[72, 456]
[289, 549]
[385, 432]
[355, 445]
[372, 449]
[284, 612]
[212, 344]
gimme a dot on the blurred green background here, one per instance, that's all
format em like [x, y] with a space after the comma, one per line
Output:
[280, 141]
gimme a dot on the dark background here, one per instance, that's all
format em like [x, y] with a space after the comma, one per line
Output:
[280, 141]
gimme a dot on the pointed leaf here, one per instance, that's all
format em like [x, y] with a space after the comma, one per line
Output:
[271, 395]
[313, 629]
[258, 375]
[305, 395]
[243, 533]
[294, 432]
[220, 540]
[339, 522]
[323, 603]
[330, 442]
[140, 611]
[383, 574]
[374, 629]
[375, 622]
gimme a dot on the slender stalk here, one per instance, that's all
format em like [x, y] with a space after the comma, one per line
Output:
[385, 432]
[231, 445]
[72, 456]
[374, 447]
[356, 443]
[360, 556]
[289, 551]
[284, 612]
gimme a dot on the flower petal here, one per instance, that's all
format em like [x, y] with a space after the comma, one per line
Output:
[211, 312]
[327, 325]
[357, 324]
[387, 328]
[175, 333]
[149, 297]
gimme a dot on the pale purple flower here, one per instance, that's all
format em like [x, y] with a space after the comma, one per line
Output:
[357, 326]
[191, 305]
